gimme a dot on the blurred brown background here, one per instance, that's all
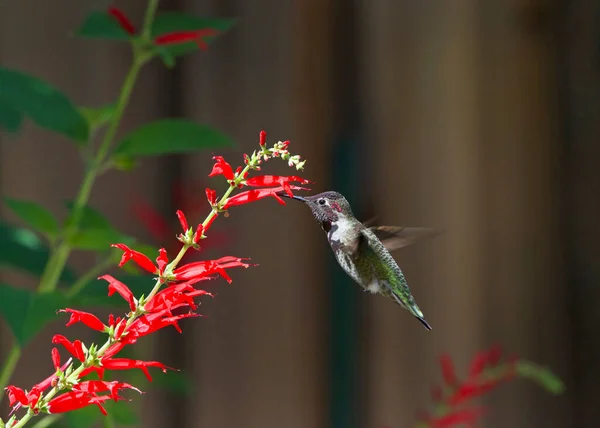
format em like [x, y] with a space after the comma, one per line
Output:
[480, 117]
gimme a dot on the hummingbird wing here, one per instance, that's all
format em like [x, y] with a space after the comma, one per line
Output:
[395, 237]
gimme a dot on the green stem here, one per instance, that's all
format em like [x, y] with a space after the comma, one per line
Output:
[149, 18]
[58, 260]
[9, 367]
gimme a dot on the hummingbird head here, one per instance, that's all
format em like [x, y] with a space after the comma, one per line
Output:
[327, 207]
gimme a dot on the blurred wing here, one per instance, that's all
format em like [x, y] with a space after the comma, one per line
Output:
[395, 237]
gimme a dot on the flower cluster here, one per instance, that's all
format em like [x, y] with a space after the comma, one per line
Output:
[176, 37]
[487, 371]
[172, 299]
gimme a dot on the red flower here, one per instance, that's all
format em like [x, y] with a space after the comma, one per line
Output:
[126, 364]
[162, 260]
[95, 386]
[141, 259]
[122, 19]
[448, 370]
[74, 348]
[55, 358]
[272, 180]
[177, 37]
[211, 195]
[262, 138]
[202, 269]
[90, 320]
[221, 168]
[173, 296]
[114, 285]
[182, 221]
[76, 400]
[256, 194]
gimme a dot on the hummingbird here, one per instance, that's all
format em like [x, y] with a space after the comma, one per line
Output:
[364, 252]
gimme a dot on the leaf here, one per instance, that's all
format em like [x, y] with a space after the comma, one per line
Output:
[90, 218]
[171, 136]
[10, 119]
[170, 22]
[26, 313]
[22, 249]
[42, 103]
[35, 215]
[100, 25]
[99, 116]
[85, 417]
[97, 239]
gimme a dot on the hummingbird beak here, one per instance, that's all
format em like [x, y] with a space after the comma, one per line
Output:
[298, 198]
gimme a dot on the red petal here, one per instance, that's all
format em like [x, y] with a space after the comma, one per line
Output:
[95, 386]
[123, 21]
[205, 268]
[74, 348]
[126, 364]
[90, 320]
[185, 37]
[55, 358]
[448, 370]
[211, 195]
[162, 260]
[141, 259]
[16, 395]
[221, 168]
[76, 400]
[198, 234]
[182, 220]
[471, 390]
[272, 180]
[262, 138]
[114, 285]
[210, 222]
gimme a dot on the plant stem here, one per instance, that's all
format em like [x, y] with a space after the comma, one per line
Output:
[9, 367]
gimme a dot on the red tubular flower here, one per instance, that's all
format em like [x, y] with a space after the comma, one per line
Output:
[221, 167]
[177, 37]
[90, 320]
[142, 260]
[174, 295]
[198, 234]
[76, 400]
[256, 194]
[147, 324]
[114, 285]
[126, 364]
[202, 269]
[95, 386]
[211, 195]
[448, 370]
[471, 390]
[122, 19]
[16, 395]
[182, 220]
[74, 348]
[272, 180]
[262, 138]
[55, 358]
[162, 260]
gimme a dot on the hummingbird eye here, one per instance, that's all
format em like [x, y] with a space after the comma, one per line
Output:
[321, 201]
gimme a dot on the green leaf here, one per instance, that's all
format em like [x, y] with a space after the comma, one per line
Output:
[90, 218]
[35, 215]
[99, 116]
[171, 136]
[170, 22]
[97, 239]
[86, 417]
[42, 103]
[541, 375]
[100, 25]
[10, 119]
[26, 313]
[176, 383]
[22, 249]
